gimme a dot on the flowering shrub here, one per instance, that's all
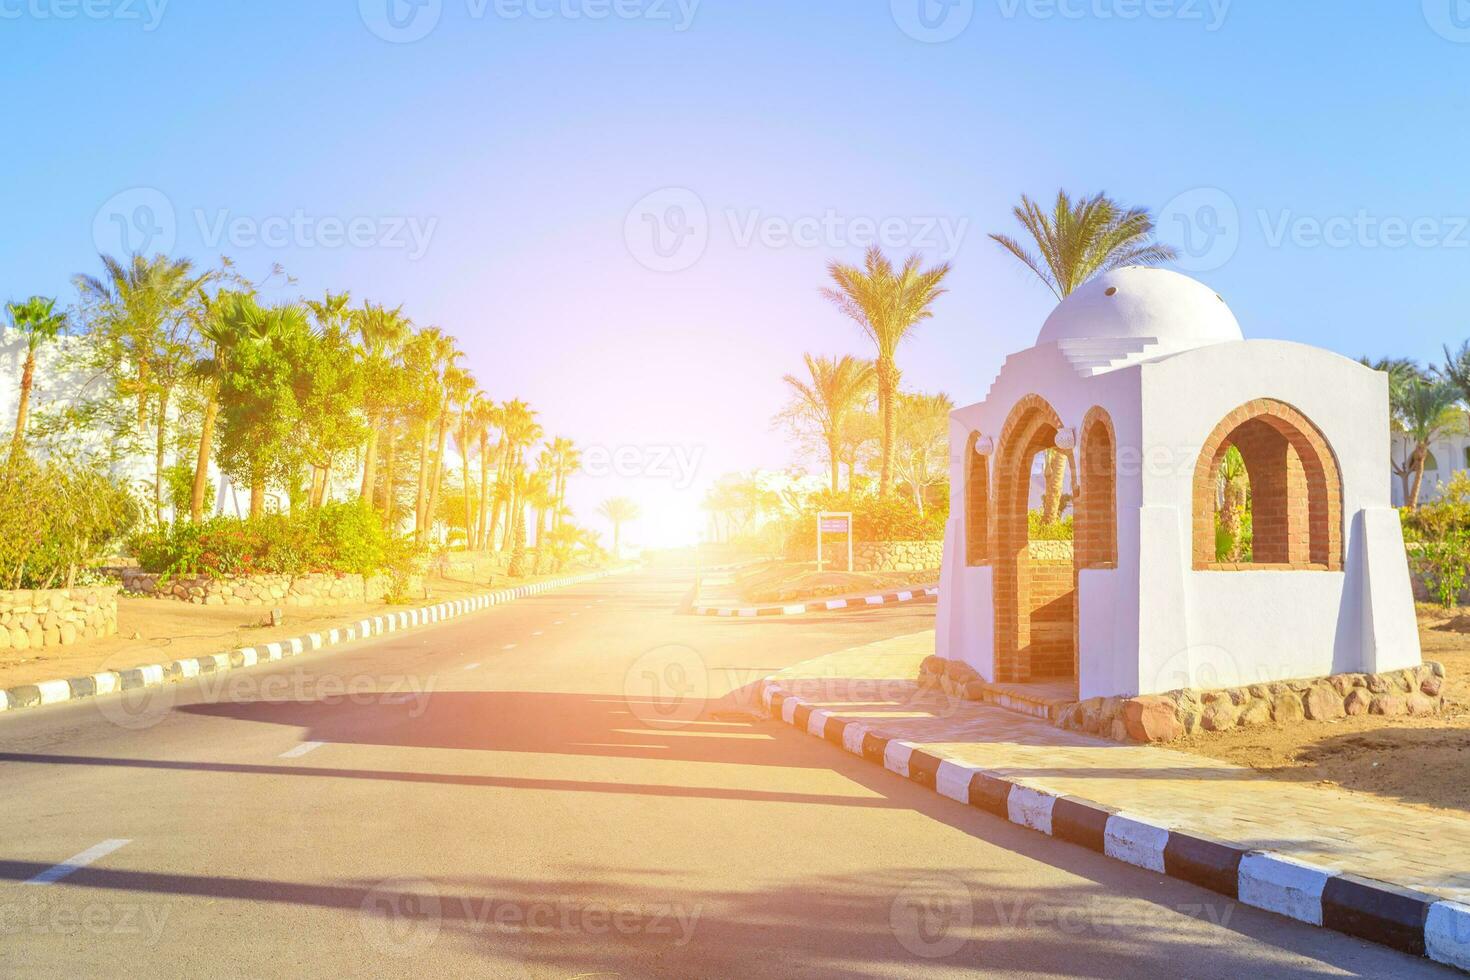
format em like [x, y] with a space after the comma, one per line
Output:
[343, 538]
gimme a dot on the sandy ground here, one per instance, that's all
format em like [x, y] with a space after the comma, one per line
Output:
[1423, 761]
[788, 582]
[159, 630]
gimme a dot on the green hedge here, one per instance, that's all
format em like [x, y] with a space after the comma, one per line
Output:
[340, 537]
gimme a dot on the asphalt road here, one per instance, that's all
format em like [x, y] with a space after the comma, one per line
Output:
[569, 785]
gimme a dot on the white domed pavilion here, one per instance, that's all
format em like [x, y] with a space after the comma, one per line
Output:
[1144, 378]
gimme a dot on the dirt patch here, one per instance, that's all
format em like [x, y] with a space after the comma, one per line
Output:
[151, 631]
[1422, 761]
[792, 581]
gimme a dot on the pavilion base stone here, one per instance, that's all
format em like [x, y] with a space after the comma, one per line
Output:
[1175, 714]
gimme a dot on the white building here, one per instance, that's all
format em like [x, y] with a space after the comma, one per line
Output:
[1448, 455]
[1144, 377]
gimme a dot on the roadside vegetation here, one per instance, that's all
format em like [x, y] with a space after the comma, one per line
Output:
[357, 439]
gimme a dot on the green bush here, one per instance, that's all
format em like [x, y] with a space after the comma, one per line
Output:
[1444, 564]
[56, 521]
[1447, 515]
[1061, 529]
[874, 519]
[339, 537]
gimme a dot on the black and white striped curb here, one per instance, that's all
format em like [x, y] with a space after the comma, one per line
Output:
[1402, 918]
[112, 681]
[917, 594]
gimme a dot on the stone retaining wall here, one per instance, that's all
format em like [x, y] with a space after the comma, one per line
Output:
[260, 590]
[56, 617]
[1165, 717]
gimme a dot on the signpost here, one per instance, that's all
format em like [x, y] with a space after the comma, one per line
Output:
[834, 522]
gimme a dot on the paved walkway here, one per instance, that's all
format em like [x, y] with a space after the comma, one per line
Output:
[1326, 826]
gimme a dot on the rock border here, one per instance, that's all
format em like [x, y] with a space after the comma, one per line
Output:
[150, 675]
[1165, 717]
[1404, 919]
[918, 593]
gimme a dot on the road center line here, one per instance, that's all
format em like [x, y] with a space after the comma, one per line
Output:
[472, 667]
[295, 752]
[77, 862]
[509, 646]
[536, 632]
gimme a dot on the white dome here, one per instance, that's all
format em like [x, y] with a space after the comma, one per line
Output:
[1138, 302]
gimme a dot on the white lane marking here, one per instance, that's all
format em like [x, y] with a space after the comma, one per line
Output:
[77, 862]
[536, 633]
[298, 751]
[573, 614]
[558, 622]
[509, 646]
[474, 666]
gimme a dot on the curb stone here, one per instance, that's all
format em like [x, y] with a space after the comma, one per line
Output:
[1404, 919]
[152, 675]
[918, 593]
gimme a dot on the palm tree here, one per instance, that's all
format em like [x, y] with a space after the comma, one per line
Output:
[470, 411]
[458, 384]
[1234, 493]
[140, 313]
[486, 415]
[838, 388]
[1076, 241]
[383, 333]
[566, 460]
[887, 305]
[923, 433]
[38, 320]
[619, 511]
[540, 496]
[519, 430]
[1425, 410]
[1082, 239]
[440, 353]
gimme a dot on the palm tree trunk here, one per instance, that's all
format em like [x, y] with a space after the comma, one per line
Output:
[887, 373]
[617, 540]
[834, 457]
[159, 451]
[418, 505]
[27, 378]
[1055, 475]
[483, 519]
[201, 463]
[464, 451]
[438, 478]
[369, 463]
[1421, 455]
[390, 459]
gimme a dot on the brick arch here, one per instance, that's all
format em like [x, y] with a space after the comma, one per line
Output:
[1296, 489]
[1031, 427]
[1096, 506]
[977, 504]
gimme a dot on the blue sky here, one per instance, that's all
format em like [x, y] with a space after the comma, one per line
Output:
[519, 148]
